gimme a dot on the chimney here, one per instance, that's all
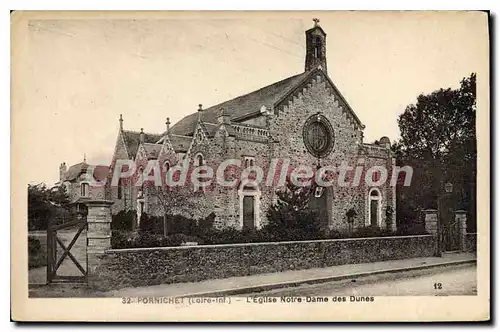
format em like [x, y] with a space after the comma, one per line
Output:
[62, 171]
[200, 109]
[121, 122]
[168, 125]
[223, 117]
[141, 136]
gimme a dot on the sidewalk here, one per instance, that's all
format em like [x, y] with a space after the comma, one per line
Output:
[261, 282]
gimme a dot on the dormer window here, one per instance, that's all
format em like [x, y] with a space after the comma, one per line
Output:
[84, 189]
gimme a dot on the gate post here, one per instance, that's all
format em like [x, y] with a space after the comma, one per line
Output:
[98, 235]
[431, 226]
[461, 218]
[431, 219]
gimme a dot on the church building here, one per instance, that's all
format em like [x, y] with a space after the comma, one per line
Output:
[303, 119]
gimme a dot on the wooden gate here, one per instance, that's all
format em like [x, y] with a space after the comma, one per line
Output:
[54, 262]
[450, 228]
[451, 236]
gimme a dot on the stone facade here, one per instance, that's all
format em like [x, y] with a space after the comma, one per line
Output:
[257, 128]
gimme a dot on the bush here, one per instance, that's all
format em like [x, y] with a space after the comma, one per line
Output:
[180, 230]
[121, 239]
[412, 229]
[177, 224]
[148, 240]
[151, 224]
[37, 256]
[289, 225]
[123, 220]
[207, 222]
[291, 219]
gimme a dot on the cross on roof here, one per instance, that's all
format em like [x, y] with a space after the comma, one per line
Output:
[316, 21]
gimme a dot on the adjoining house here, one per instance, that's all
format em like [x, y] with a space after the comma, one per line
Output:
[78, 182]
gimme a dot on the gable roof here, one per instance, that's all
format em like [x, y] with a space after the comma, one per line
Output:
[74, 171]
[240, 106]
[152, 150]
[132, 140]
[100, 171]
[336, 91]
[180, 143]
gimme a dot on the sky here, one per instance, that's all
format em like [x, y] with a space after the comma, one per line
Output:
[76, 75]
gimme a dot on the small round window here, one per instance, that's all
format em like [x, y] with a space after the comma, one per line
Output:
[318, 136]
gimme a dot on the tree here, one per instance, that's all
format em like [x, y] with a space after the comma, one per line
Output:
[290, 218]
[438, 139]
[172, 200]
[44, 203]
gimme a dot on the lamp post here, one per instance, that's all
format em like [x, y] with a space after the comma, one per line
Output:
[443, 206]
[448, 187]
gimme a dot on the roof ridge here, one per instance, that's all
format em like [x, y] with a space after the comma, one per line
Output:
[239, 106]
[138, 132]
[255, 91]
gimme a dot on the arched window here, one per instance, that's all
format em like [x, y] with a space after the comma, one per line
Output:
[166, 166]
[249, 161]
[141, 176]
[199, 160]
[317, 47]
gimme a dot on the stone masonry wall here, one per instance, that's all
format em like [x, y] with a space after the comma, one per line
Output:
[141, 267]
[286, 129]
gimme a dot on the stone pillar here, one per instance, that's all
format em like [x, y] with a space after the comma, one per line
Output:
[431, 219]
[98, 234]
[461, 219]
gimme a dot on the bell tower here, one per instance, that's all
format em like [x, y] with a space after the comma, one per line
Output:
[315, 47]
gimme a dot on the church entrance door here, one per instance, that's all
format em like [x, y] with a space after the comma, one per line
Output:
[374, 202]
[319, 204]
[248, 212]
[249, 196]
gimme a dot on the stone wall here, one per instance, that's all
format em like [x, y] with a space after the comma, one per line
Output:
[141, 267]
